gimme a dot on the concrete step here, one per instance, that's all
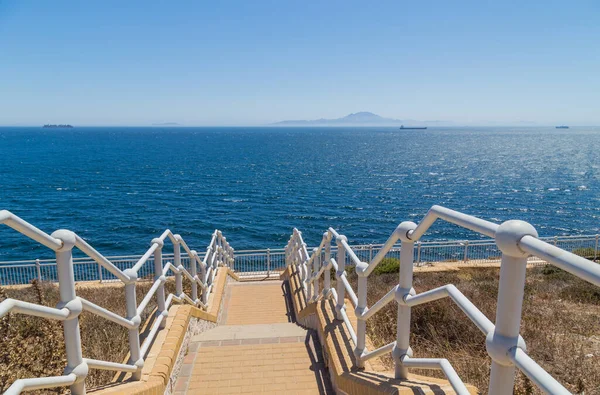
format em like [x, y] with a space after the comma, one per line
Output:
[257, 331]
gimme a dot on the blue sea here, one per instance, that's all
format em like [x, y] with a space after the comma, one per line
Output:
[120, 187]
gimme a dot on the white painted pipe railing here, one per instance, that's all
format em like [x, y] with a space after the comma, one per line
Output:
[256, 263]
[517, 240]
[219, 253]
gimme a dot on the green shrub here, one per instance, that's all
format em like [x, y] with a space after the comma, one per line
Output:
[388, 265]
[549, 270]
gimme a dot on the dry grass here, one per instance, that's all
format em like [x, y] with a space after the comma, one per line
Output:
[561, 325]
[34, 347]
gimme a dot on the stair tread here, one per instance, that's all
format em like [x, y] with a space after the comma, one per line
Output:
[256, 331]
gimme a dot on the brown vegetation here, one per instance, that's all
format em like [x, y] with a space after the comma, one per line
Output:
[34, 347]
[560, 325]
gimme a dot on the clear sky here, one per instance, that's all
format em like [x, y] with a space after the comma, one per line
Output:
[255, 62]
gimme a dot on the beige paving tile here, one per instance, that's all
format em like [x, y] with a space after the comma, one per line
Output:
[255, 369]
[257, 350]
[256, 304]
[254, 331]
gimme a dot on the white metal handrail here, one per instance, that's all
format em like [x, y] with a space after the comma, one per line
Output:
[250, 263]
[322, 263]
[218, 253]
[517, 240]
[590, 238]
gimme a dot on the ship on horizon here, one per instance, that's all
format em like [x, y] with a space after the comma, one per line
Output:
[62, 126]
[402, 127]
[562, 127]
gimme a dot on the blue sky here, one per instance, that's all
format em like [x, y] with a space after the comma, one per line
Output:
[250, 63]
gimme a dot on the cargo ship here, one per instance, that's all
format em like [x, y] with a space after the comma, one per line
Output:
[402, 127]
[57, 126]
[562, 127]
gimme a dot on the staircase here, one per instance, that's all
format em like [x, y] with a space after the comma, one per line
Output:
[269, 340]
[258, 347]
[298, 334]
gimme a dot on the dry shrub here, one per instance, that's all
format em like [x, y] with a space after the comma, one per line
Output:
[34, 347]
[31, 346]
[560, 325]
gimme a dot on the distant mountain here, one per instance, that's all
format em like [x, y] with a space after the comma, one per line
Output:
[356, 119]
[166, 124]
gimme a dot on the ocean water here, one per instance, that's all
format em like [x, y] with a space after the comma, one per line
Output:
[120, 187]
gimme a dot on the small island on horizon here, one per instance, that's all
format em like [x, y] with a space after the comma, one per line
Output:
[61, 126]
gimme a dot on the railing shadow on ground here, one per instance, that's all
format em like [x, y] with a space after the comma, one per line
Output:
[289, 303]
[311, 342]
[333, 325]
[336, 330]
[318, 365]
[298, 295]
[121, 377]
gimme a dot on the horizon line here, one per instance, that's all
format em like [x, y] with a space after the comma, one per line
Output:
[295, 126]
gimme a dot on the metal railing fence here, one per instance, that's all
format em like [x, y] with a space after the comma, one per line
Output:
[127, 270]
[516, 241]
[249, 263]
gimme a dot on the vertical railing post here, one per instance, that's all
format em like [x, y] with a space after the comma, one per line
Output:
[178, 266]
[298, 259]
[340, 289]
[230, 260]
[214, 259]
[219, 249]
[38, 269]
[293, 253]
[418, 253]
[268, 262]
[203, 273]
[219, 262]
[405, 282]
[465, 258]
[216, 265]
[135, 356]
[313, 278]
[286, 253]
[327, 259]
[216, 251]
[160, 292]
[99, 273]
[361, 308]
[229, 257]
[194, 274]
[596, 248]
[291, 245]
[370, 252]
[68, 299]
[223, 251]
[308, 282]
[511, 288]
[298, 262]
[305, 268]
